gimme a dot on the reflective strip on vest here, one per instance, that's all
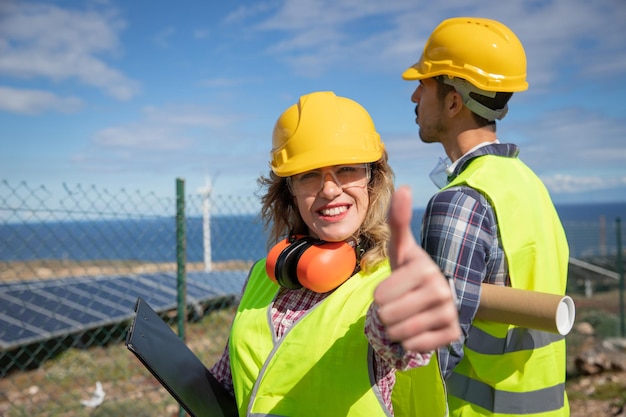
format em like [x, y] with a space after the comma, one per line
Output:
[506, 402]
[517, 339]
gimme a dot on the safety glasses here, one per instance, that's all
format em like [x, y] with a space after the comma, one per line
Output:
[344, 176]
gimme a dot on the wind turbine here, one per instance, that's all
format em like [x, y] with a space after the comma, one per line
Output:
[205, 192]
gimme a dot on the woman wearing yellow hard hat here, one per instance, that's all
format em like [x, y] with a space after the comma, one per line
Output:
[307, 338]
[492, 221]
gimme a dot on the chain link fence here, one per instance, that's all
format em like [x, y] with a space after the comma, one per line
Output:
[73, 260]
[72, 263]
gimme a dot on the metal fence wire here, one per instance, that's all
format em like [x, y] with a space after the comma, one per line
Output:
[73, 261]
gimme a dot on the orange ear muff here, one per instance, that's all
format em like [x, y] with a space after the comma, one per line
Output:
[282, 259]
[326, 266]
[286, 269]
[320, 266]
[272, 257]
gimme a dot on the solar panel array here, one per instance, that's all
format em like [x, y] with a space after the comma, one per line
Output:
[37, 311]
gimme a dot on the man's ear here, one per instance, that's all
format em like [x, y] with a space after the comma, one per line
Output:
[453, 103]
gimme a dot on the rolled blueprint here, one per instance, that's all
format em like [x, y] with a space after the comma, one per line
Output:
[524, 308]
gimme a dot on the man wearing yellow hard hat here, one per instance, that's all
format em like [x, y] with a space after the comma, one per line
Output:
[492, 221]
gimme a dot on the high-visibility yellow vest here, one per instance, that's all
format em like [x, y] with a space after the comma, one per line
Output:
[420, 392]
[508, 370]
[323, 365]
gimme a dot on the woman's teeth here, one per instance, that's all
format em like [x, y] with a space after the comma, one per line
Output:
[335, 211]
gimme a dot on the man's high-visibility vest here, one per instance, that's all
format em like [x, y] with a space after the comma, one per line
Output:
[508, 370]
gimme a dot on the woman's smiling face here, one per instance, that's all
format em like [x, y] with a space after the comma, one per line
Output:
[334, 213]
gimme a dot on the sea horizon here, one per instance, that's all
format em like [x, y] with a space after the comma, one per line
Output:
[590, 228]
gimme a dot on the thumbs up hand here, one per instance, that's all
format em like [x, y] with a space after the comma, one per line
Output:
[415, 303]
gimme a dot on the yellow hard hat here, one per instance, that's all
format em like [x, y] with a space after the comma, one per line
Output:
[482, 51]
[323, 129]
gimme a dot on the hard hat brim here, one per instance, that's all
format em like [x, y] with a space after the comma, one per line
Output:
[411, 73]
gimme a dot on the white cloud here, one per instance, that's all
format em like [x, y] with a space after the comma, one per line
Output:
[174, 140]
[36, 101]
[573, 140]
[242, 13]
[141, 137]
[201, 33]
[225, 82]
[570, 39]
[561, 183]
[323, 35]
[189, 116]
[162, 129]
[162, 38]
[48, 42]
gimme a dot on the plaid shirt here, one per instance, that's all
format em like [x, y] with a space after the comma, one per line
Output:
[460, 232]
[291, 305]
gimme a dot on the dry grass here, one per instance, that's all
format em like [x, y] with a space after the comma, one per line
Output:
[57, 387]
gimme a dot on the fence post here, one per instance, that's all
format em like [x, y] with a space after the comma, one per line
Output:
[181, 258]
[620, 271]
[181, 254]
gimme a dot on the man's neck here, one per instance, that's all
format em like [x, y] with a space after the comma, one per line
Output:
[468, 140]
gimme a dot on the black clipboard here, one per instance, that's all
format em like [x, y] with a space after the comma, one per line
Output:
[176, 367]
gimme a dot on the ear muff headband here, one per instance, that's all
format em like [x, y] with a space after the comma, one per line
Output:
[306, 262]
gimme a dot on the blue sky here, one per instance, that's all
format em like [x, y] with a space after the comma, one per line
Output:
[134, 94]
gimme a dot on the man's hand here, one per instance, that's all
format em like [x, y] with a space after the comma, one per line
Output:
[415, 303]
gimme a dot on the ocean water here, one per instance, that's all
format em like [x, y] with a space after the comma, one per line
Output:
[590, 228]
[150, 240]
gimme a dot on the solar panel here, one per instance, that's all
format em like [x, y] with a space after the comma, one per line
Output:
[220, 282]
[40, 310]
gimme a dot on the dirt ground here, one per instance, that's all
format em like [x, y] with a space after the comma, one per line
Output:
[611, 387]
[602, 394]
